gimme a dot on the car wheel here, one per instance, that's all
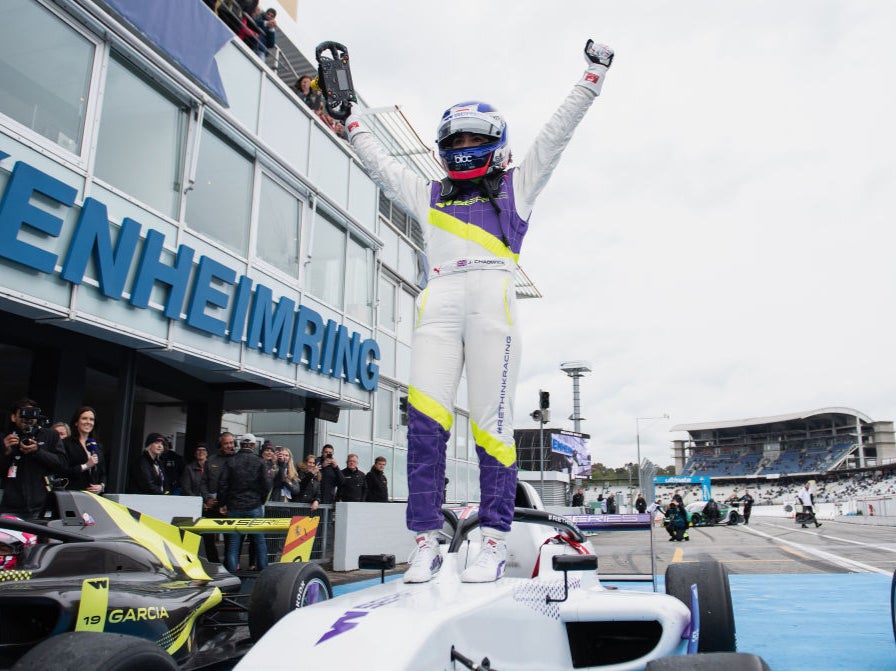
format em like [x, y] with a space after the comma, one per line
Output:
[714, 593]
[282, 588]
[696, 519]
[79, 650]
[733, 517]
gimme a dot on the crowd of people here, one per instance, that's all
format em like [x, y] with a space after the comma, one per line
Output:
[257, 28]
[35, 458]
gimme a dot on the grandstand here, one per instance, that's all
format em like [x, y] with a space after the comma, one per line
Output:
[817, 442]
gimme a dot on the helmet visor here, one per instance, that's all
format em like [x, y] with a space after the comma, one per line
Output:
[470, 122]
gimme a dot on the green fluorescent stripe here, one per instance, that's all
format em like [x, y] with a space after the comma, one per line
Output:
[430, 407]
[504, 453]
[470, 232]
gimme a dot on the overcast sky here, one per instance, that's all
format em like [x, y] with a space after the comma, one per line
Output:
[718, 238]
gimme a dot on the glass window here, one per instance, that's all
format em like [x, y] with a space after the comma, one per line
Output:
[459, 434]
[362, 424]
[385, 413]
[389, 253]
[326, 270]
[406, 316]
[45, 69]
[359, 281]
[398, 488]
[279, 217]
[220, 203]
[365, 455]
[281, 421]
[284, 127]
[386, 310]
[387, 354]
[407, 261]
[141, 140]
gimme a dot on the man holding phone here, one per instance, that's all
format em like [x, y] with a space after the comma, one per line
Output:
[331, 477]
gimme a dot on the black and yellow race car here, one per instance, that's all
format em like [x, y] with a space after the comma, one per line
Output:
[100, 586]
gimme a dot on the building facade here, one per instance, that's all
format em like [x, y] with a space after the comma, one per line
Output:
[187, 251]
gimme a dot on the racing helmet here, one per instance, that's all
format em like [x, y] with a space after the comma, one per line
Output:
[12, 543]
[472, 162]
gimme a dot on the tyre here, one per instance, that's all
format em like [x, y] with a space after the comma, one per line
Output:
[79, 650]
[717, 632]
[893, 602]
[733, 517]
[282, 588]
[696, 519]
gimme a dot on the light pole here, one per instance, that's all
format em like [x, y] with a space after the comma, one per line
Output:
[576, 370]
[638, 421]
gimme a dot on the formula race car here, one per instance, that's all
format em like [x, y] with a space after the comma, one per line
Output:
[728, 514]
[99, 586]
[549, 611]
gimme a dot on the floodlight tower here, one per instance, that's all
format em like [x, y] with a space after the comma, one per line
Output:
[576, 370]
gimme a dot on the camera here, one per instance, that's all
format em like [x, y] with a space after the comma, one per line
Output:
[31, 416]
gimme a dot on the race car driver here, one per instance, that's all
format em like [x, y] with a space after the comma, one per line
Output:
[473, 223]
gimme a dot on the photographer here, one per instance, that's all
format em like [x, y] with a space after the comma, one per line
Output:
[31, 455]
[331, 477]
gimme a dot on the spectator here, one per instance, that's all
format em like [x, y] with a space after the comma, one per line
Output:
[611, 504]
[641, 503]
[377, 484]
[30, 455]
[578, 499]
[331, 478]
[602, 503]
[313, 99]
[267, 25]
[226, 450]
[269, 456]
[63, 429]
[309, 482]
[85, 461]
[354, 483]
[191, 485]
[286, 483]
[173, 467]
[147, 475]
[243, 486]
[191, 479]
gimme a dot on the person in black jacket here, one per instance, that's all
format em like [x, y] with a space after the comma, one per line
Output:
[377, 484]
[354, 483]
[309, 482]
[29, 457]
[191, 485]
[147, 476]
[243, 487]
[86, 465]
[331, 478]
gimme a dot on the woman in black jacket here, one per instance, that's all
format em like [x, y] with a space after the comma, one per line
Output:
[86, 468]
[309, 482]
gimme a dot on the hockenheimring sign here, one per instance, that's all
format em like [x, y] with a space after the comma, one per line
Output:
[276, 326]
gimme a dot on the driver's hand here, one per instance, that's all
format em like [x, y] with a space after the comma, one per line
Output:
[598, 58]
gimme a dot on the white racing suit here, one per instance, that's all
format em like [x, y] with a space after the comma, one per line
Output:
[467, 313]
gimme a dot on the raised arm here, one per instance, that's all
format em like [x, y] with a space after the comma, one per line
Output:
[535, 169]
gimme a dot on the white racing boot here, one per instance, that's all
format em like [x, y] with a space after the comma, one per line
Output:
[426, 560]
[489, 564]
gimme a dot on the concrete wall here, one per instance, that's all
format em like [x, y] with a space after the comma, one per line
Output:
[164, 508]
[376, 528]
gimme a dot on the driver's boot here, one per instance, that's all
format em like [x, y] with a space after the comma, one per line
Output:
[426, 559]
[489, 564]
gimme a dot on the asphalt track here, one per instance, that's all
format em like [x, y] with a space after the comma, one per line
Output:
[812, 598]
